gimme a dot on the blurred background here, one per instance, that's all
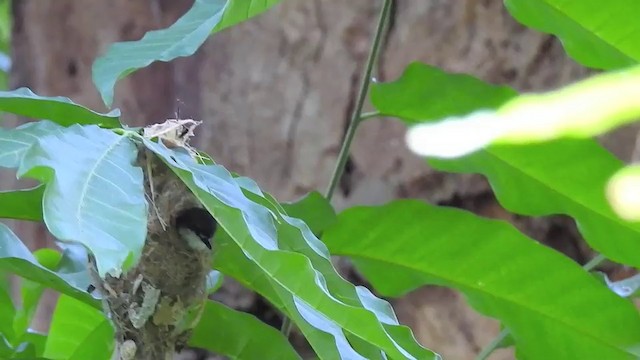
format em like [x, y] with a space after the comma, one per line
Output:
[275, 94]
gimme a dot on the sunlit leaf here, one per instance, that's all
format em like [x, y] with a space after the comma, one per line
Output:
[582, 110]
[17, 259]
[623, 192]
[596, 34]
[237, 335]
[559, 177]
[540, 295]
[94, 193]
[78, 332]
[287, 253]
[58, 109]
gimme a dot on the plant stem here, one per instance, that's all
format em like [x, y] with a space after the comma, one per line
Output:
[356, 116]
[493, 345]
[369, 115]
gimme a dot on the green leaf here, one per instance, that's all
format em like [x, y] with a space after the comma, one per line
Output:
[58, 109]
[237, 335]
[7, 311]
[424, 92]
[291, 257]
[22, 204]
[94, 193]
[314, 210]
[582, 110]
[31, 291]
[540, 295]
[78, 332]
[15, 142]
[324, 334]
[560, 177]
[181, 39]
[31, 346]
[596, 34]
[17, 259]
[240, 10]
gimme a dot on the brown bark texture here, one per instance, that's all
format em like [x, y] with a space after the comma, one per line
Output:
[275, 95]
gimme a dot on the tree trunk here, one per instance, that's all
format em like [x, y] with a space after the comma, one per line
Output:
[275, 94]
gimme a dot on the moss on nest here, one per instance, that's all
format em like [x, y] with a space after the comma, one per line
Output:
[154, 305]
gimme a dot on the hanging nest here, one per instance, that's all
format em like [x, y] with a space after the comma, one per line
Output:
[154, 305]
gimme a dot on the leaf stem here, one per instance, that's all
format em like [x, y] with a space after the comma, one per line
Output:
[356, 116]
[493, 345]
[369, 115]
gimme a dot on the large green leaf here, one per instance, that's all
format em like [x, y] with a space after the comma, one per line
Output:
[238, 335]
[582, 110]
[314, 209]
[15, 142]
[323, 334]
[59, 109]
[289, 255]
[596, 34]
[560, 177]
[554, 309]
[17, 259]
[22, 204]
[78, 332]
[94, 193]
[424, 92]
[181, 39]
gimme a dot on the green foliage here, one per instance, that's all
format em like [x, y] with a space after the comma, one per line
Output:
[78, 332]
[596, 34]
[181, 39]
[314, 210]
[237, 335]
[582, 110]
[425, 93]
[560, 177]
[22, 204]
[407, 244]
[16, 258]
[58, 109]
[94, 196]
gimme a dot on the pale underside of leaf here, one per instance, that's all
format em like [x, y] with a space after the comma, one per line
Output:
[94, 193]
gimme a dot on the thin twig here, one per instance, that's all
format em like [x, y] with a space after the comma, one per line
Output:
[362, 94]
[493, 345]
